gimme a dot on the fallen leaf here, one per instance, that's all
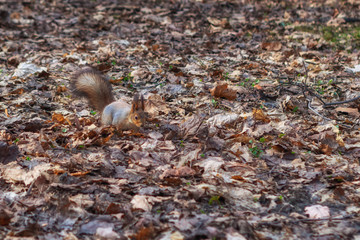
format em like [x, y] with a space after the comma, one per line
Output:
[178, 172]
[5, 216]
[222, 90]
[190, 126]
[351, 111]
[107, 233]
[211, 164]
[58, 117]
[25, 69]
[218, 22]
[146, 203]
[8, 153]
[272, 46]
[317, 211]
[260, 115]
[144, 233]
[92, 226]
[155, 105]
[222, 120]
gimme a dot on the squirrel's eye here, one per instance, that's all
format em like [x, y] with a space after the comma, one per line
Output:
[136, 117]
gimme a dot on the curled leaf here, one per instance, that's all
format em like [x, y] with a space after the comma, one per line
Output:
[223, 91]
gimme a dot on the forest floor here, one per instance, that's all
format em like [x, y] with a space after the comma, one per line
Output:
[252, 130]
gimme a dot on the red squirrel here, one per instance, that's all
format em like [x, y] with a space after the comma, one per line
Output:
[95, 87]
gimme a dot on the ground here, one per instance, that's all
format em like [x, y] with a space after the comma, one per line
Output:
[252, 127]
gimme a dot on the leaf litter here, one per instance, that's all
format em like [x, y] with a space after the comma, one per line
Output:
[252, 128]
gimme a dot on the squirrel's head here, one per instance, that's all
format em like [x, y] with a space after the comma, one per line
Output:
[137, 113]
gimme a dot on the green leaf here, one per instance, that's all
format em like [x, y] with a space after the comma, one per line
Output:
[214, 199]
[255, 151]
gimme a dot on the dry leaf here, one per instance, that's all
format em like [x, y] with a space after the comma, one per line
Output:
[351, 111]
[146, 202]
[221, 120]
[317, 211]
[222, 90]
[260, 115]
[57, 117]
[178, 172]
[107, 233]
[211, 164]
[271, 46]
[154, 105]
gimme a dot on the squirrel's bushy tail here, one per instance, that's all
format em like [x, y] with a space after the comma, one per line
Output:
[92, 85]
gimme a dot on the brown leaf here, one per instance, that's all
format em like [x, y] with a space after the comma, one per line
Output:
[240, 137]
[216, 73]
[241, 152]
[57, 117]
[14, 60]
[223, 91]
[257, 86]
[8, 153]
[326, 149]
[351, 111]
[145, 233]
[146, 203]
[114, 208]
[155, 106]
[260, 115]
[190, 126]
[223, 23]
[61, 89]
[221, 120]
[18, 91]
[238, 178]
[178, 172]
[271, 46]
[155, 47]
[211, 164]
[77, 174]
[5, 216]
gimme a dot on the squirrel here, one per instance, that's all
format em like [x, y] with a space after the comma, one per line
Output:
[95, 87]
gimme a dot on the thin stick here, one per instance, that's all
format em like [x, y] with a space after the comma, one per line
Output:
[341, 102]
[309, 106]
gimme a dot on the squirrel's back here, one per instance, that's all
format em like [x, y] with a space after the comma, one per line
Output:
[91, 84]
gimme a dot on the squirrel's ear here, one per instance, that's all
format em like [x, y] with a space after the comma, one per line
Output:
[135, 103]
[142, 103]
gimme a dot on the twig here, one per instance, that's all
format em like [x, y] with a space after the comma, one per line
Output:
[341, 102]
[327, 219]
[325, 104]
[307, 88]
[30, 189]
[306, 71]
[356, 122]
[138, 86]
[328, 119]
[317, 113]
